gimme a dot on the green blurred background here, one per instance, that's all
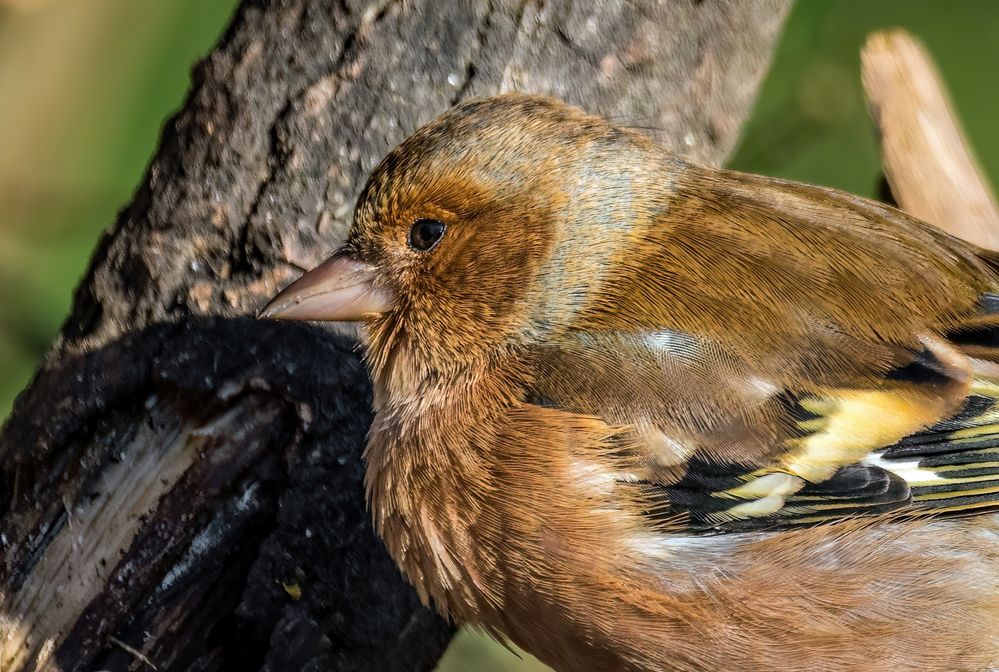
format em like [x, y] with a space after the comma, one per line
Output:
[85, 86]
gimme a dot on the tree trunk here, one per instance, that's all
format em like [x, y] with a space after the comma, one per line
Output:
[181, 485]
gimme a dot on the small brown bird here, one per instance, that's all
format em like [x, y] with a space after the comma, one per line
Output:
[637, 414]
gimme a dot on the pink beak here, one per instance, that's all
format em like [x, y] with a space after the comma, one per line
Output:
[340, 289]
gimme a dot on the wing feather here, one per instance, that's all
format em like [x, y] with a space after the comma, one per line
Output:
[762, 385]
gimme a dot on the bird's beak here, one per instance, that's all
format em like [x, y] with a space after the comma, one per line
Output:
[340, 289]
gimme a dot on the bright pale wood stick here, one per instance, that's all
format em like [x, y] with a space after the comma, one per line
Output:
[929, 165]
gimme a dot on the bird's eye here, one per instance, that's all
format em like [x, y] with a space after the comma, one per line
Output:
[425, 234]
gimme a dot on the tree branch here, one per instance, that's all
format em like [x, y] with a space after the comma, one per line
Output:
[931, 169]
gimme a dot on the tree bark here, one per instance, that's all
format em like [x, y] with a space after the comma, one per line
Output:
[181, 485]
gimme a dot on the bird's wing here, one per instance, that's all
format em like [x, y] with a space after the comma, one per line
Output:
[711, 451]
[790, 359]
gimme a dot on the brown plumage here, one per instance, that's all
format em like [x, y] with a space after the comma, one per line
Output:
[633, 413]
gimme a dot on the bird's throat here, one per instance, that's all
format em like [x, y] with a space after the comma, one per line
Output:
[429, 479]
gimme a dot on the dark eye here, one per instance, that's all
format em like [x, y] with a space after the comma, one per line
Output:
[425, 234]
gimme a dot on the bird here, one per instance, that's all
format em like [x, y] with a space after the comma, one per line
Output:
[634, 413]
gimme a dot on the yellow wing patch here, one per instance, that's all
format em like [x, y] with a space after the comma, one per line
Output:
[834, 430]
[853, 423]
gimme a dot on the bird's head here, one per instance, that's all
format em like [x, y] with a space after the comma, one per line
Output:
[484, 230]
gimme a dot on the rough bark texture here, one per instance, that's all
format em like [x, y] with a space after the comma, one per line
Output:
[181, 486]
